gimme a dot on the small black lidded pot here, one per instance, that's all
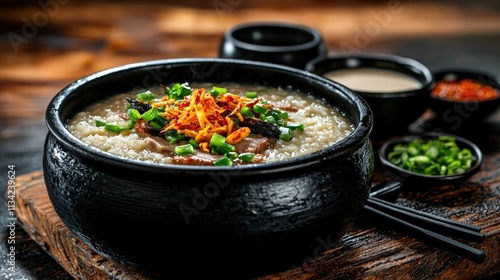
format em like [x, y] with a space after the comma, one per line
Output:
[275, 42]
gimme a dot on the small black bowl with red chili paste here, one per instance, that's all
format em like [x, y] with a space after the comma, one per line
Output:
[461, 98]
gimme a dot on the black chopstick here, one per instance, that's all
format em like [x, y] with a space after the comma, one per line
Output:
[431, 237]
[444, 226]
[389, 187]
[385, 189]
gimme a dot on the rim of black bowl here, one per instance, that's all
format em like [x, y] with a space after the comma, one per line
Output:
[409, 66]
[56, 125]
[236, 33]
[408, 175]
[450, 74]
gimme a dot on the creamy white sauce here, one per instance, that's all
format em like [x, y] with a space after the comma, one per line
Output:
[374, 80]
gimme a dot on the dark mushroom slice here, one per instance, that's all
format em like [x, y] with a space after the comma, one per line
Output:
[260, 127]
[142, 107]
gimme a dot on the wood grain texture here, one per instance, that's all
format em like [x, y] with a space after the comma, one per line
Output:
[38, 218]
[369, 251]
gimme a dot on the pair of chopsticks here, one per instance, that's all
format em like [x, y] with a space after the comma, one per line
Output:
[429, 228]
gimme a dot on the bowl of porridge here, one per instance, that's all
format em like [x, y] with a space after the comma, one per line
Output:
[207, 161]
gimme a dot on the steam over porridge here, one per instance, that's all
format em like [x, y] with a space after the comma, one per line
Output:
[206, 124]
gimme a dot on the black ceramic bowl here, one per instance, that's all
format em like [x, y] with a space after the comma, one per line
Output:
[393, 111]
[208, 219]
[418, 180]
[457, 115]
[276, 42]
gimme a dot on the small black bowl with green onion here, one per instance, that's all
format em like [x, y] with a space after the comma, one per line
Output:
[431, 158]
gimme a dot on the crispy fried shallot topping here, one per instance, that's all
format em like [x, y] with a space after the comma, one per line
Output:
[200, 115]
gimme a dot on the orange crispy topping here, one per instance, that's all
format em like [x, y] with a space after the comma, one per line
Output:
[201, 114]
[238, 135]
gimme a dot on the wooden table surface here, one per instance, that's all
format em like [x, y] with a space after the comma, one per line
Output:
[45, 45]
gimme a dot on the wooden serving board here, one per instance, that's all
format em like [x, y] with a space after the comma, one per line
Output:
[369, 251]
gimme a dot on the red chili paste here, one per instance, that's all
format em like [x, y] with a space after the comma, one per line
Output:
[464, 90]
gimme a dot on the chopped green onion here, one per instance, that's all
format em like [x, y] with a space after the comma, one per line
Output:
[259, 109]
[130, 125]
[412, 150]
[154, 117]
[183, 150]
[194, 143]
[113, 128]
[178, 138]
[178, 91]
[231, 155]
[420, 159]
[173, 137]
[277, 114]
[100, 123]
[440, 156]
[217, 140]
[133, 114]
[450, 140]
[295, 126]
[432, 152]
[273, 114]
[156, 125]
[285, 133]
[270, 119]
[218, 145]
[247, 157]
[432, 169]
[150, 114]
[224, 148]
[161, 119]
[223, 161]
[245, 111]
[216, 91]
[251, 94]
[443, 169]
[145, 96]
